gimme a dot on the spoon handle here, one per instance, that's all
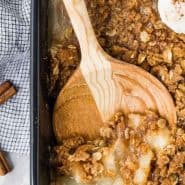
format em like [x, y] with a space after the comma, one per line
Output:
[95, 66]
[82, 26]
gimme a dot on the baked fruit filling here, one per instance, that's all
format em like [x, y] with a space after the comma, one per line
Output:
[132, 149]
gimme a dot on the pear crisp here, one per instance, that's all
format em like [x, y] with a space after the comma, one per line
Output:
[134, 149]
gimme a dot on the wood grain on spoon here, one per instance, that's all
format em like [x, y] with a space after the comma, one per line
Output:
[103, 85]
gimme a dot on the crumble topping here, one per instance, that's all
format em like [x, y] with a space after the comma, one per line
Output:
[178, 1]
[124, 152]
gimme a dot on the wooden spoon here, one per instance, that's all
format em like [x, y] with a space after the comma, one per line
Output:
[102, 85]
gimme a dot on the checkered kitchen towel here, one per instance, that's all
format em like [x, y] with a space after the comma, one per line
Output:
[14, 66]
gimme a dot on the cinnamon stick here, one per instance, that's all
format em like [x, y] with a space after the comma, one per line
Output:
[7, 90]
[4, 167]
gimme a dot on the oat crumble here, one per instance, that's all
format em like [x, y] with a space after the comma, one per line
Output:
[178, 1]
[124, 148]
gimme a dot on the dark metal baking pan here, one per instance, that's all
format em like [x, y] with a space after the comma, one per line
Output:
[41, 131]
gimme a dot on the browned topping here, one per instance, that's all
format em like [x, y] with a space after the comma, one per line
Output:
[178, 1]
[124, 149]
[85, 158]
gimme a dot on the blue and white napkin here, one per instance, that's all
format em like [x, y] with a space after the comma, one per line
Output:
[15, 66]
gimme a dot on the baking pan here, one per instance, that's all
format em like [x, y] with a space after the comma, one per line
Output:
[41, 131]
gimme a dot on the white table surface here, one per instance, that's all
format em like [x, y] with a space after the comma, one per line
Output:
[20, 173]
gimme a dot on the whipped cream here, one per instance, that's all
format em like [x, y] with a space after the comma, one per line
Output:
[172, 14]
